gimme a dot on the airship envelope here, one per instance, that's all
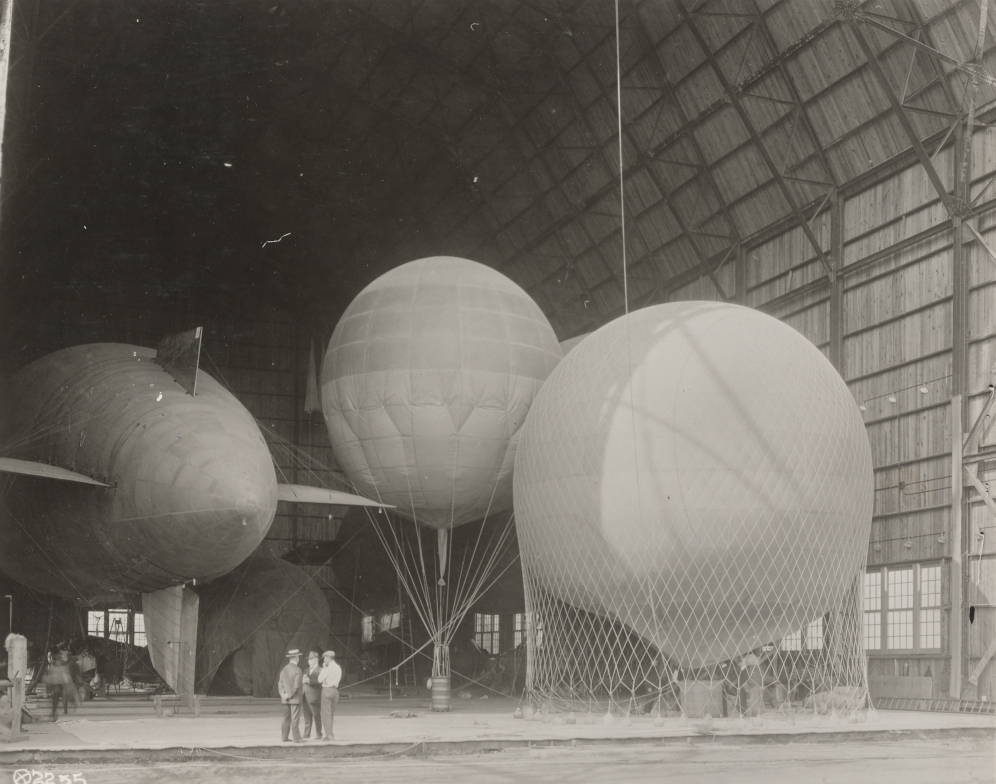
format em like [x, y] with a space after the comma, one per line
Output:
[700, 473]
[426, 382]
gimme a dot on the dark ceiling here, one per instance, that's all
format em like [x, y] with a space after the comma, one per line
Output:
[206, 156]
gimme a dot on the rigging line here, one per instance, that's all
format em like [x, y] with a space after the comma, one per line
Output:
[43, 551]
[300, 587]
[412, 584]
[419, 601]
[458, 618]
[622, 200]
[477, 542]
[488, 562]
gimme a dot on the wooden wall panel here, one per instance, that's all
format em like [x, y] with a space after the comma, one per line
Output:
[915, 335]
[890, 295]
[813, 322]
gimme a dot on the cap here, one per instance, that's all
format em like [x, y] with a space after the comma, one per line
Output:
[329, 654]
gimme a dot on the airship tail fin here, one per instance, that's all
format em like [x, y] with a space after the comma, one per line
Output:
[179, 355]
[171, 631]
[11, 465]
[305, 494]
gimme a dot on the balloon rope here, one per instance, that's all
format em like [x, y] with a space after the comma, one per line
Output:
[460, 578]
[622, 200]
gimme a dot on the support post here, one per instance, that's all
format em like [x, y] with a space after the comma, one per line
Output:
[836, 283]
[741, 274]
[6, 11]
[956, 546]
[17, 667]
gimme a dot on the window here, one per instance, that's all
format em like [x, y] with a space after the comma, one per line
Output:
[95, 623]
[117, 624]
[902, 608]
[522, 623]
[873, 611]
[367, 628]
[792, 642]
[899, 620]
[486, 631]
[814, 635]
[930, 606]
[140, 640]
[809, 637]
[388, 621]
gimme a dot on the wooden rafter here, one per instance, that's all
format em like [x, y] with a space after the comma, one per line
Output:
[734, 100]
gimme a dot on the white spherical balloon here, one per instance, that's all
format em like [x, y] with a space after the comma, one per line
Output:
[700, 472]
[426, 382]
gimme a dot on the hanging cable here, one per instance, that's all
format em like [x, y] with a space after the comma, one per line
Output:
[622, 200]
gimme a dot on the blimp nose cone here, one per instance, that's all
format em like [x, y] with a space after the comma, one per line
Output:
[248, 505]
[201, 493]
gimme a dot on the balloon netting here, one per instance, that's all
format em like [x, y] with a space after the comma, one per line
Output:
[582, 661]
[693, 492]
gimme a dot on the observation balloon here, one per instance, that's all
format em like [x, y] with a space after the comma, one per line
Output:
[700, 473]
[426, 382]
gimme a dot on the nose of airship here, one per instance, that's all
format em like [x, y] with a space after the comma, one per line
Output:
[202, 495]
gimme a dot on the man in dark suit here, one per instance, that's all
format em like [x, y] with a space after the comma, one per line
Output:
[291, 693]
[311, 706]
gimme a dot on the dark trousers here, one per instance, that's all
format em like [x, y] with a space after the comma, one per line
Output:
[57, 693]
[292, 720]
[312, 710]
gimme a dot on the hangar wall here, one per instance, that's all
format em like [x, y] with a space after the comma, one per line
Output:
[896, 347]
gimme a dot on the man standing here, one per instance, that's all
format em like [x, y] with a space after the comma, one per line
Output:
[289, 686]
[311, 707]
[329, 677]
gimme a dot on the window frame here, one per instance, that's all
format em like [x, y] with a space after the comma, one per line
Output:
[932, 600]
[488, 639]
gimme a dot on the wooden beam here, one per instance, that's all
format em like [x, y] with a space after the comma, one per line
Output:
[836, 303]
[957, 64]
[974, 232]
[971, 442]
[977, 672]
[955, 621]
[733, 98]
[902, 116]
[972, 473]
[806, 119]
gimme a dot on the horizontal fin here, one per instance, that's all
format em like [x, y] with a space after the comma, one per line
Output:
[179, 355]
[303, 494]
[11, 465]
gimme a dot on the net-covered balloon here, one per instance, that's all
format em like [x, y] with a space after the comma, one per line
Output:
[699, 474]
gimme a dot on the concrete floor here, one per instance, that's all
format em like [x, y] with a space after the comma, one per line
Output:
[238, 739]
[909, 761]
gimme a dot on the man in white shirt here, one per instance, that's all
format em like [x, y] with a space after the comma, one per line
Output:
[329, 678]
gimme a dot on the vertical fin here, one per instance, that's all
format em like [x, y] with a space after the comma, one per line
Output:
[179, 355]
[171, 630]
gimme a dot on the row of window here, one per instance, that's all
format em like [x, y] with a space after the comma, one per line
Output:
[901, 605]
[487, 630]
[121, 625]
[902, 608]
[385, 622]
[901, 612]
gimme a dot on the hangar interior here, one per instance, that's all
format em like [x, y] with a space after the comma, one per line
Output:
[251, 167]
